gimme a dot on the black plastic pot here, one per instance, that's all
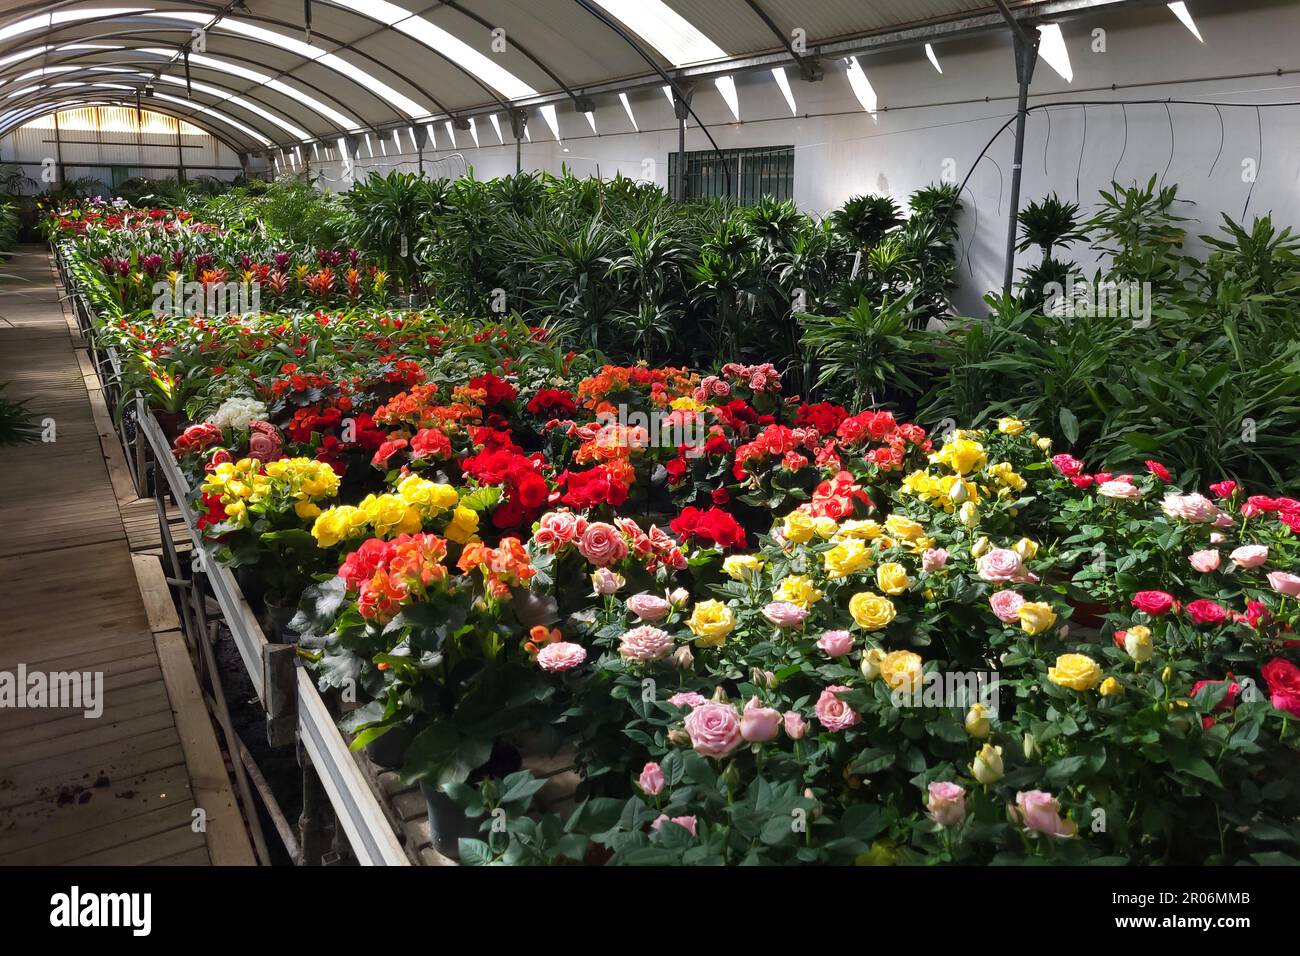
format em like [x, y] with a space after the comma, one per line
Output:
[278, 617]
[389, 750]
[447, 822]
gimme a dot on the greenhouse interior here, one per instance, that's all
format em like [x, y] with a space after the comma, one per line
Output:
[605, 433]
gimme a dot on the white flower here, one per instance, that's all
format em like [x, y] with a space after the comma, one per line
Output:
[237, 412]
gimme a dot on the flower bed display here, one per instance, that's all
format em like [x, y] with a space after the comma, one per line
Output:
[767, 631]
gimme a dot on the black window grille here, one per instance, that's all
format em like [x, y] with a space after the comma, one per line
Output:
[755, 172]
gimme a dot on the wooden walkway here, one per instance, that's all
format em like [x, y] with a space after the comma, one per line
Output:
[123, 788]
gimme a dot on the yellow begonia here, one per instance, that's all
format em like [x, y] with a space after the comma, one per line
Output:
[390, 515]
[463, 525]
[1006, 475]
[339, 524]
[430, 497]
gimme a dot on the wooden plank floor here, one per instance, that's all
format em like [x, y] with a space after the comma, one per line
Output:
[111, 790]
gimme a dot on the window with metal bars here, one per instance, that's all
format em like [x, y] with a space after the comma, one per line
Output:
[755, 172]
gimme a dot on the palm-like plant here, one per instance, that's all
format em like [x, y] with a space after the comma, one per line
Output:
[864, 220]
[869, 356]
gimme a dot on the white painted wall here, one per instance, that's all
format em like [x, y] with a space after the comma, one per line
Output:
[926, 119]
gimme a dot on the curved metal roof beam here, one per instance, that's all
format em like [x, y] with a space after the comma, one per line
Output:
[9, 122]
[482, 69]
[258, 135]
[403, 105]
[221, 94]
[253, 139]
[403, 108]
[296, 96]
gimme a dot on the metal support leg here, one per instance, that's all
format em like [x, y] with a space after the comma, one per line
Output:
[314, 801]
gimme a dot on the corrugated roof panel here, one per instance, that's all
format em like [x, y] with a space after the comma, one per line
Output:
[833, 19]
[731, 24]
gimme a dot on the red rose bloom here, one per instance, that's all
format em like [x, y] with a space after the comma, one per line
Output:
[1283, 679]
[712, 527]
[1159, 470]
[1203, 611]
[1223, 489]
[1154, 603]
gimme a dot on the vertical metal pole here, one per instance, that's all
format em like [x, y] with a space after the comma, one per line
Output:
[180, 150]
[1026, 57]
[681, 109]
[58, 149]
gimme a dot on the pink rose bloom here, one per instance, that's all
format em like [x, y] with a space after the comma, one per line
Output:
[651, 780]
[1119, 489]
[1041, 811]
[1192, 507]
[1006, 605]
[1249, 555]
[1216, 538]
[946, 803]
[649, 607]
[832, 712]
[1284, 583]
[1067, 465]
[785, 614]
[645, 644]
[561, 656]
[795, 725]
[835, 643]
[686, 823]
[1000, 564]
[1205, 561]
[602, 545]
[714, 729]
[605, 582]
[933, 559]
[759, 724]
[688, 698]
[679, 596]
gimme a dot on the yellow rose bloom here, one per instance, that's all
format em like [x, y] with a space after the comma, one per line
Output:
[904, 528]
[846, 558]
[987, 767]
[977, 721]
[1075, 671]
[825, 527]
[797, 589]
[871, 612]
[870, 666]
[1027, 548]
[969, 515]
[1010, 426]
[1110, 687]
[962, 455]
[797, 527]
[1044, 444]
[891, 577]
[901, 670]
[861, 528]
[742, 567]
[1035, 617]
[463, 525]
[711, 622]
